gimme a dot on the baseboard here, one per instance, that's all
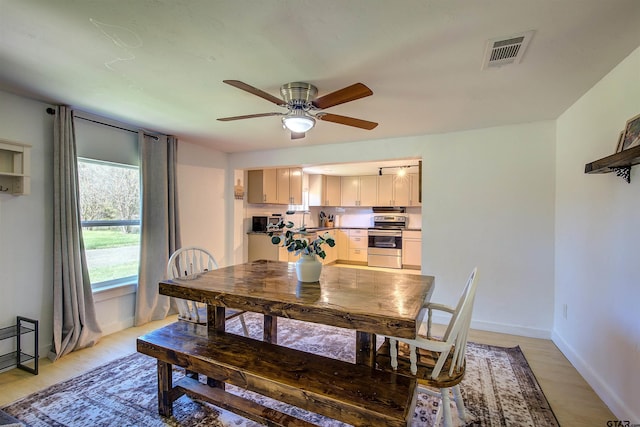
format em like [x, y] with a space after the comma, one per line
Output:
[610, 398]
[116, 326]
[499, 327]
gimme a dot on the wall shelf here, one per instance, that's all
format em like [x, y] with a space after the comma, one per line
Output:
[15, 168]
[620, 163]
[19, 357]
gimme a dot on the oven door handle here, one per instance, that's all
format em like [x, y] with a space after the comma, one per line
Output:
[384, 233]
[385, 245]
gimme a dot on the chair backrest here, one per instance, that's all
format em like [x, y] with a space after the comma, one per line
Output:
[189, 261]
[458, 329]
[469, 287]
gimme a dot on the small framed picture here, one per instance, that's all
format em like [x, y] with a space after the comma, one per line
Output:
[631, 136]
[620, 139]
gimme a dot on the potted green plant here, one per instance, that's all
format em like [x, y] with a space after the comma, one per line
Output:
[308, 268]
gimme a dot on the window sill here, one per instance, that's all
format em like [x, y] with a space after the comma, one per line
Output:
[114, 291]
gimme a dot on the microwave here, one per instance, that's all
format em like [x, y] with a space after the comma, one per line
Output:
[260, 223]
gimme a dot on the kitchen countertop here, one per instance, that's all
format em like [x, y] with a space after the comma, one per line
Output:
[314, 229]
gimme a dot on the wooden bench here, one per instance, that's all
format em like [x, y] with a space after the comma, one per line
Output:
[355, 394]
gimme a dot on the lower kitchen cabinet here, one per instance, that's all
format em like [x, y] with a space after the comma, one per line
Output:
[357, 242]
[411, 249]
[260, 247]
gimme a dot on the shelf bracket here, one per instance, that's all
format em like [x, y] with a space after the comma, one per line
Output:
[623, 172]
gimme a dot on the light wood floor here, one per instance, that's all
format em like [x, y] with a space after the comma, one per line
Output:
[572, 400]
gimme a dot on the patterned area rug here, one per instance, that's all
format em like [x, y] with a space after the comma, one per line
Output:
[499, 389]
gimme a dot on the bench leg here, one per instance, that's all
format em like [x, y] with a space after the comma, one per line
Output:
[165, 385]
[270, 329]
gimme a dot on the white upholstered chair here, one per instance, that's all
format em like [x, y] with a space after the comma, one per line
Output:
[437, 363]
[188, 262]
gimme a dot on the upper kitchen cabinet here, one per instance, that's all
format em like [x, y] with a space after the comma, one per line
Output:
[324, 190]
[359, 190]
[262, 186]
[15, 168]
[414, 191]
[394, 190]
[275, 186]
[289, 186]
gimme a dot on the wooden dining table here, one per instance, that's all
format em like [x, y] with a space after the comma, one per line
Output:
[369, 301]
[365, 300]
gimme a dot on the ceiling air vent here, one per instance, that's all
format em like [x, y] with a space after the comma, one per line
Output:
[505, 50]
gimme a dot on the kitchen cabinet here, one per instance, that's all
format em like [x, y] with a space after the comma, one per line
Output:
[414, 190]
[385, 190]
[324, 190]
[289, 186]
[330, 252]
[275, 186]
[342, 242]
[359, 190]
[262, 186]
[260, 247]
[286, 256]
[358, 243]
[401, 190]
[394, 190]
[15, 168]
[411, 249]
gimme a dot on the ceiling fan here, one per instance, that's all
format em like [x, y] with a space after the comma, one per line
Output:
[300, 100]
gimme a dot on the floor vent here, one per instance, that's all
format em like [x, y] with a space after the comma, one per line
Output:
[505, 50]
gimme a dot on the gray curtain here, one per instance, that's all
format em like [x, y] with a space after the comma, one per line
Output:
[74, 318]
[159, 234]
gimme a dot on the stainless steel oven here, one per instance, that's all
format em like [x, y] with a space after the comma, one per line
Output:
[385, 241]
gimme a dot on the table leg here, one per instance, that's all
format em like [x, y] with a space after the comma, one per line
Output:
[365, 348]
[215, 318]
[215, 323]
[270, 333]
[165, 384]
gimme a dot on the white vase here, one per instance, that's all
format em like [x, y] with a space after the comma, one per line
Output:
[308, 268]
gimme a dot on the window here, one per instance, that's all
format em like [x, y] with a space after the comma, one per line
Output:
[110, 218]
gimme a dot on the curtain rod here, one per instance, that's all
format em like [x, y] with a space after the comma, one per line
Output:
[51, 111]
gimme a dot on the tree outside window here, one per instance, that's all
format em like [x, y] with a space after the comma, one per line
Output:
[110, 215]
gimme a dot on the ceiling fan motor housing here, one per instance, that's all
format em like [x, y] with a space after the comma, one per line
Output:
[298, 94]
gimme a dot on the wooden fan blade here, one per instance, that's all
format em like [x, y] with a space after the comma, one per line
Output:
[255, 91]
[344, 120]
[347, 94]
[297, 135]
[248, 116]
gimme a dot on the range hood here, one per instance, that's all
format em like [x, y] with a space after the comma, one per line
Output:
[388, 209]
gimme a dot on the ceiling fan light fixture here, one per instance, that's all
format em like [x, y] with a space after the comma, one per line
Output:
[297, 121]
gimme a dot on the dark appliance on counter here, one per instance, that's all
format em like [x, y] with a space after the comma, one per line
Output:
[259, 224]
[385, 241]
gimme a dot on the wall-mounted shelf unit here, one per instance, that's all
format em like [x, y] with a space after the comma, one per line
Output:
[15, 168]
[620, 163]
[19, 357]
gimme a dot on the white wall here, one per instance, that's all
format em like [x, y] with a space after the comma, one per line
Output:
[488, 200]
[202, 183]
[26, 236]
[597, 239]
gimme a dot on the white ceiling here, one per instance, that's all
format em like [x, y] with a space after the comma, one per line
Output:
[159, 64]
